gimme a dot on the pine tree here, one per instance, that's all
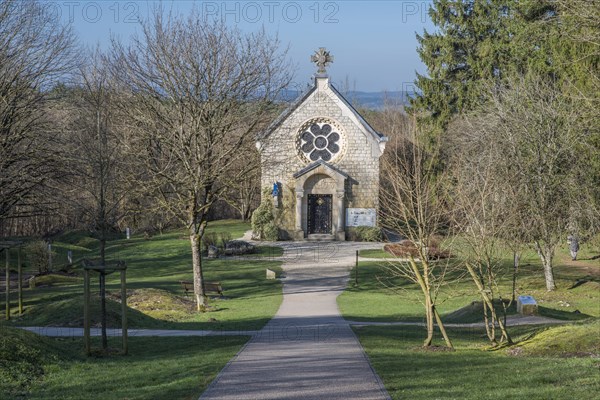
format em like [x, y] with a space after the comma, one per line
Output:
[472, 46]
[479, 44]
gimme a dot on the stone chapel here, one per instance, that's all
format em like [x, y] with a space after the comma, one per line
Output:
[320, 159]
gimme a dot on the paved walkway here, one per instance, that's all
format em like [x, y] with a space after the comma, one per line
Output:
[307, 351]
[63, 331]
[511, 320]
[57, 331]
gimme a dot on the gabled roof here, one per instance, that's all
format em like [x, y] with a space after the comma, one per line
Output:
[317, 164]
[301, 99]
[363, 122]
[286, 113]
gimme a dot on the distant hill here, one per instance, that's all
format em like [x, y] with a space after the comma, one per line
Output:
[358, 99]
[377, 100]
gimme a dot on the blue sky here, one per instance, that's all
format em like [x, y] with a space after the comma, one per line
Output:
[373, 42]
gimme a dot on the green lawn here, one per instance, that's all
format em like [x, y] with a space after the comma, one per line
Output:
[545, 363]
[155, 267]
[471, 372]
[34, 367]
[157, 368]
[372, 301]
[375, 253]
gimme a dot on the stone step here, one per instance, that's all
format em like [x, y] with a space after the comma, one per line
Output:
[320, 237]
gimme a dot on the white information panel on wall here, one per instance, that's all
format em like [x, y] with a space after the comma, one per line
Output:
[360, 216]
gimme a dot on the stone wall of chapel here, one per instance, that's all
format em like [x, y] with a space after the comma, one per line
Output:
[359, 158]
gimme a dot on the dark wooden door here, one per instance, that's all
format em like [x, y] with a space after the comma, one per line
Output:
[319, 213]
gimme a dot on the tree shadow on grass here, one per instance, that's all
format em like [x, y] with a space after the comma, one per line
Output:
[563, 315]
[470, 372]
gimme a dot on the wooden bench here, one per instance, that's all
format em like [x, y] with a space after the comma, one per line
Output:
[209, 287]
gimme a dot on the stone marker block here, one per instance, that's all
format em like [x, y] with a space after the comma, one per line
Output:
[526, 305]
[271, 274]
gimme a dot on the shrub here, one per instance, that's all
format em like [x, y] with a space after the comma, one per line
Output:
[271, 232]
[263, 221]
[210, 239]
[225, 238]
[37, 255]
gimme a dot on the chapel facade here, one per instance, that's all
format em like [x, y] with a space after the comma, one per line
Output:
[320, 159]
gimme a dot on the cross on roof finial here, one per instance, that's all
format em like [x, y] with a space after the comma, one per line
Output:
[322, 58]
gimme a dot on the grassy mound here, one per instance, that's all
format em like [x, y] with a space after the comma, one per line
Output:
[161, 304]
[23, 359]
[37, 367]
[574, 340]
[55, 280]
[68, 312]
[474, 313]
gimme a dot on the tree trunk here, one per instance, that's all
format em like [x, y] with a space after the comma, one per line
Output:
[243, 212]
[494, 320]
[549, 270]
[489, 302]
[442, 328]
[246, 216]
[102, 250]
[199, 292]
[102, 279]
[103, 309]
[514, 277]
[547, 255]
[502, 325]
[486, 322]
[429, 315]
[424, 285]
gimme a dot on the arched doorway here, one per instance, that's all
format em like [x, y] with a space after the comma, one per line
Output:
[319, 190]
[320, 202]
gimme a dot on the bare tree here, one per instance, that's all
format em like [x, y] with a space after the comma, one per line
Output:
[413, 205]
[482, 218]
[242, 188]
[198, 92]
[35, 52]
[93, 161]
[537, 133]
[95, 157]
[90, 185]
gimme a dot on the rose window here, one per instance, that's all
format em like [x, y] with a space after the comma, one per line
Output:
[319, 142]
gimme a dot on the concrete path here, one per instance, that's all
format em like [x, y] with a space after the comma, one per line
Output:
[63, 331]
[57, 331]
[511, 320]
[307, 351]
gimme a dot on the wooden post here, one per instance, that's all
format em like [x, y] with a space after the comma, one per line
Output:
[20, 280]
[356, 270]
[6, 251]
[86, 311]
[124, 311]
[103, 308]
[515, 271]
[49, 256]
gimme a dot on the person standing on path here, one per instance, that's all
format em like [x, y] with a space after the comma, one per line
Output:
[573, 246]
